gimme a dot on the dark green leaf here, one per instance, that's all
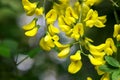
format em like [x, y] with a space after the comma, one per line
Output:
[113, 62]
[33, 52]
[11, 44]
[4, 51]
[106, 68]
[116, 75]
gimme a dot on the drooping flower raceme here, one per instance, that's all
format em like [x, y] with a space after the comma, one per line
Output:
[73, 21]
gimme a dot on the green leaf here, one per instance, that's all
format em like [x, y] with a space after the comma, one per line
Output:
[111, 61]
[5, 52]
[116, 75]
[106, 68]
[11, 44]
[33, 52]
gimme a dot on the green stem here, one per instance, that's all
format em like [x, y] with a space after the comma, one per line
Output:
[116, 16]
[80, 15]
[82, 51]
[114, 3]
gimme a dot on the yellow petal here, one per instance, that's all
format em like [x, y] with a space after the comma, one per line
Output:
[39, 11]
[96, 61]
[29, 7]
[99, 24]
[44, 46]
[89, 15]
[99, 71]
[61, 46]
[106, 76]
[116, 30]
[70, 13]
[102, 18]
[74, 67]
[90, 23]
[32, 32]
[51, 16]
[52, 29]
[30, 25]
[64, 53]
[76, 56]
[89, 78]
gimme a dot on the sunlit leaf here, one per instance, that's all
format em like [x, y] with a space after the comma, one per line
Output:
[116, 75]
[113, 62]
[106, 68]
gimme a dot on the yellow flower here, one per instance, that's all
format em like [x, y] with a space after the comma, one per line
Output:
[60, 8]
[78, 31]
[99, 71]
[61, 46]
[92, 19]
[76, 63]
[51, 16]
[29, 7]
[96, 61]
[105, 77]
[110, 47]
[39, 11]
[32, 32]
[89, 78]
[70, 13]
[64, 53]
[117, 32]
[92, 2]
[52, 29]
[31, 28]
[47, 43]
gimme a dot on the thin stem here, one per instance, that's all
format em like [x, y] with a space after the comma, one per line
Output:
[80, 15]
[116, 16]
[82, 51]
[22, 60]
[114, 3]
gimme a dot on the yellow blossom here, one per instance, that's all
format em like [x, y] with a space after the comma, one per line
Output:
[96, 61]
[78, 31]
[61, 7]
[92, 2]
[31, 25]
[117, 32]
[99, 71]
[76, 63]
[29, 7]
[52, 29]
[47, 43]
[89, 78]
[110, 46]
[70, 13]
[39, 11]
[105, 77]
[61, 46]
[51, 16]
[31, 28]
[64, 53]
[92, 19]
[32, 32]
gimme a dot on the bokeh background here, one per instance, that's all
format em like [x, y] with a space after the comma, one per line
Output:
[38, 64]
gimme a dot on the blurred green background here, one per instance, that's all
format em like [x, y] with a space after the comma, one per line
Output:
[13, 43]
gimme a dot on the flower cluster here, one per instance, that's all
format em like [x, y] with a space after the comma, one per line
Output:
[74, 21]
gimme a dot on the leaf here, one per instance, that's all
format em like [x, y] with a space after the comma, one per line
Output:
[116, 75]
[11, 44]
[106, 68]
[4, 51]
[33, 52]
[113, 62]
